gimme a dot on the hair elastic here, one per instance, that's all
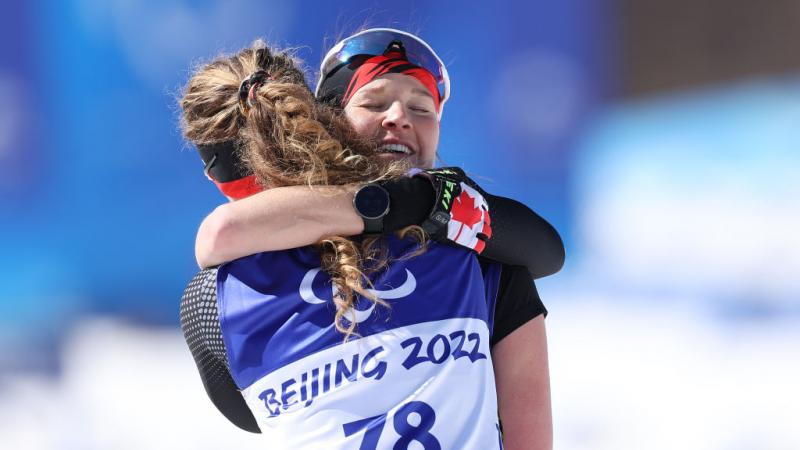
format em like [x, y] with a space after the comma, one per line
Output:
[248, 87]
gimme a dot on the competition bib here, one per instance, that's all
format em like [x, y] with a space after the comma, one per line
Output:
[417, 376]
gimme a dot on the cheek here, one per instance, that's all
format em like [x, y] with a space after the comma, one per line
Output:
[430, 136]
[428, 140]
[361, 121]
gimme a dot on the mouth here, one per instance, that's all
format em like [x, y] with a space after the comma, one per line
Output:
[395, 149]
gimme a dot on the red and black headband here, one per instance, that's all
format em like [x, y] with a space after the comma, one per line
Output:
[223, 164]
[342, 82]
[225, 168]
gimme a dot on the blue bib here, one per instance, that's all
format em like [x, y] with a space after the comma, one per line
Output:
[418, 370]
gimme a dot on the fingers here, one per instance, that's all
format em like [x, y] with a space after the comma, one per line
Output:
[487, 225]
[459, 197]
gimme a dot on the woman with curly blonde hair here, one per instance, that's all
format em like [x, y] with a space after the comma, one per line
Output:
[421, 317]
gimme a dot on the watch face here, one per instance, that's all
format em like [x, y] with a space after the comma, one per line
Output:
[372, 202]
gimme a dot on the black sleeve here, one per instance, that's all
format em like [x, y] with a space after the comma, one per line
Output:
[517, 302]
[200, 325]
[520, 237]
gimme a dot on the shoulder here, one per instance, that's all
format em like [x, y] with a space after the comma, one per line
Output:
[202, 284]
[517, 302]
[199, 299]
[510, 275]
[203, 279]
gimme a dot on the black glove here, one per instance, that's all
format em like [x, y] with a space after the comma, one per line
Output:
[460, 213]
[448, 205]
[410, 202]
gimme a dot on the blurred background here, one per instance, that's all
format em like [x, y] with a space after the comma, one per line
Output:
[662, 139]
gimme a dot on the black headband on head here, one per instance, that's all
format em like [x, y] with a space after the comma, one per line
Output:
[222, 161]
[334, 86]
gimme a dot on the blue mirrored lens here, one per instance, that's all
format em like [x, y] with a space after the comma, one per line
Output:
[376, 43]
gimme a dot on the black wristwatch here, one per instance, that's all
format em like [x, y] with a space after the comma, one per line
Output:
[372, 204]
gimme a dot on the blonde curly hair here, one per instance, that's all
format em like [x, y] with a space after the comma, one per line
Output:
[259, 99]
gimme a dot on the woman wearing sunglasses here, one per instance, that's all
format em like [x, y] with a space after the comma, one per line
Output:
[422, 369]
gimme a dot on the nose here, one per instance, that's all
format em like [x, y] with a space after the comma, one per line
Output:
[396, 117]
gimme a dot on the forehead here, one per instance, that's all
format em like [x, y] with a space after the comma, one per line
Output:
[395, 84]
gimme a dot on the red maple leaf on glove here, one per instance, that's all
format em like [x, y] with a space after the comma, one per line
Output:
[466, 211]
[469, 220]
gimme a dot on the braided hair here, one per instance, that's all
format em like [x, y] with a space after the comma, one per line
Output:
[259, 99]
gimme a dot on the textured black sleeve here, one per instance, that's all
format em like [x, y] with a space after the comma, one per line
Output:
[200, 325]
[517, 302]
[520, 237]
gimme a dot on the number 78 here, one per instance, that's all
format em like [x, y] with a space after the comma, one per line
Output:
[408, 432]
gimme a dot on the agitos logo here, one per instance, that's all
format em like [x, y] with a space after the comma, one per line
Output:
[358, 316]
